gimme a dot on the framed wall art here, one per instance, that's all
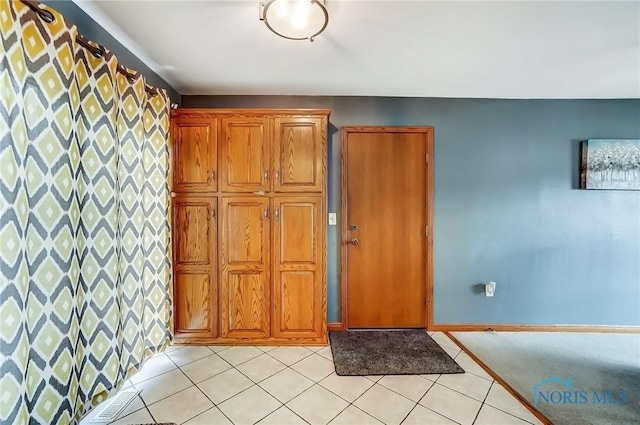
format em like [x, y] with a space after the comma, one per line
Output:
[610, 164]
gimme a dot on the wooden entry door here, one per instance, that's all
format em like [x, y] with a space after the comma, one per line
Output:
[387, 186]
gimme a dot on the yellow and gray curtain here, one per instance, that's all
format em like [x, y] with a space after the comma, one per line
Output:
[85, 293]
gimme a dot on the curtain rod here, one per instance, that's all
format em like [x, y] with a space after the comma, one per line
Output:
[98, 51]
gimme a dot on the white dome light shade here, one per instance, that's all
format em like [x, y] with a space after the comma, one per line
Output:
[295, 19]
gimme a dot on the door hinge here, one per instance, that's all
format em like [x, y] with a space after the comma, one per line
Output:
[426, 231]
[426, 158]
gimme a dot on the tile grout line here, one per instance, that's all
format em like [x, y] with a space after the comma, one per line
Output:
[402, 395]
[286, 367]
[202, 392]
[433, 383]
[193, 384]
[274, 358]
[145, 407]
[318, 384]
[117, 418]
[215, 406]
[411, 410]
[366, 413]
[430, 409]
[418, 402]
[502, 410]
[205, 411]
[490, 378]
[439, 414]
[296, 362]
[482, 404]
[289, 366]
[466, 395]
[357, 398]
[174, 363]
[289, 409]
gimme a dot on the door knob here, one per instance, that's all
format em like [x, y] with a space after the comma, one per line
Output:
[354, 241]
[354, 227]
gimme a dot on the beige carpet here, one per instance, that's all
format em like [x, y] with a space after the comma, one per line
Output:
[572, 378]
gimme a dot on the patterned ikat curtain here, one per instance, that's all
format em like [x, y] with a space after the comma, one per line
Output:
[85, 279]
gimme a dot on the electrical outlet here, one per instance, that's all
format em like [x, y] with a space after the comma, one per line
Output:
[489, 289]
[332, 219]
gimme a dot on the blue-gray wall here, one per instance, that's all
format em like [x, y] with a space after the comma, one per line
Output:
[94, 32]
[508, 207]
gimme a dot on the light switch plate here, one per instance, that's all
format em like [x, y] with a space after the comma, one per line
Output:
[490, 289]
[332, 219]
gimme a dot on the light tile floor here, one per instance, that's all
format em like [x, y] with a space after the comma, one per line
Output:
[298, 385]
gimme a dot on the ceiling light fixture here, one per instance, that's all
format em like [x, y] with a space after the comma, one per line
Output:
[295, 19]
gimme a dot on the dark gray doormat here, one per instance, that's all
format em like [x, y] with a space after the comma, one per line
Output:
[410, 352]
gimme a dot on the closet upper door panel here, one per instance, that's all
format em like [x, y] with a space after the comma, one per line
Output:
[244, 155]
[195, 150]
[299, 154]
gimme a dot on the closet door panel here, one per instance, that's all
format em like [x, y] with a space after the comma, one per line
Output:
[194, 154]
[195, 283]
[191, 223]
[296, 303]
[245, 163]
[194, 299]
[298, 154]
[247, 300]
[298, 267]
[244, 258]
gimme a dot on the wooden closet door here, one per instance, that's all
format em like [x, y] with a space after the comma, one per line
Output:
[244, 152]
[299, 154]
[195, 150]
[298, 250]
[244, 259]
[194, 259]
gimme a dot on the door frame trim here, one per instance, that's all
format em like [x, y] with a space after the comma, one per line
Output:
[428, 131]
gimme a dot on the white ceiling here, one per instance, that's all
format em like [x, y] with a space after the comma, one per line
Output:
[482, 49]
